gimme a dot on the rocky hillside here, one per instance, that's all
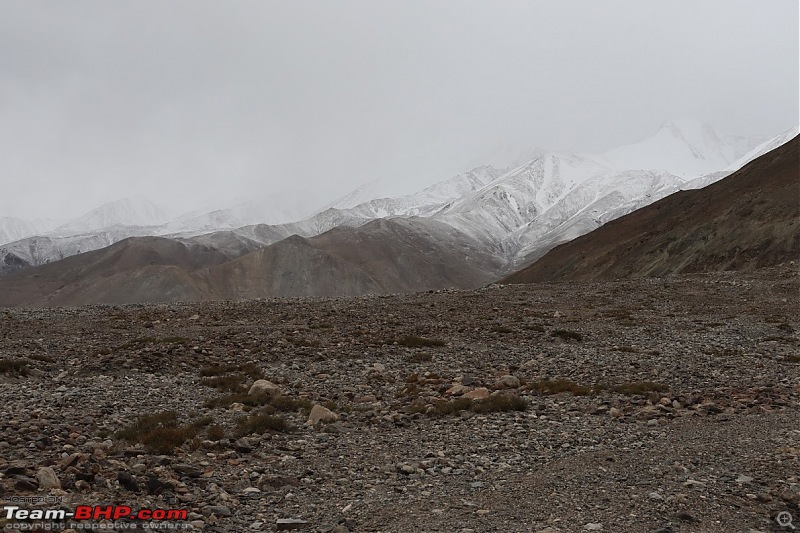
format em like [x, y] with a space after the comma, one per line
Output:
[748, 220]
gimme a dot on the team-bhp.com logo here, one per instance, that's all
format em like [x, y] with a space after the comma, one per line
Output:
[95, 512]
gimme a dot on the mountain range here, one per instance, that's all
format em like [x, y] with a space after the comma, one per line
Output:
[461, 232]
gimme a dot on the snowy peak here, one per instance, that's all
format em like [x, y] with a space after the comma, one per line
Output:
[684, 147]
[136, 211]
[13, 229]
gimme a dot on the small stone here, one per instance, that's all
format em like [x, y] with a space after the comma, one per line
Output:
[25, 484]
[263, 387]
[655, 496]
[322, 414]
[47, 478]
[218, 510]
[198, 524]
[741, 478]
[127, 481]
[406, 469]
[686, 517]
[287, 524]
[614, 412]
[593, 527]
[194, 317]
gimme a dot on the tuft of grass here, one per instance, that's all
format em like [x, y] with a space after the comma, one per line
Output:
[261, 423]
[216, 432]
[231, 383]
[412, 341]
[452, 407]
[492, 404]
[287, 404]
[237, 397]
[500, 403]
[160, 432]
[566, 334]
[558, 386]
[14, 367]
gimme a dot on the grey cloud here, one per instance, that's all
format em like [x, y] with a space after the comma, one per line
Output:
[195, 102]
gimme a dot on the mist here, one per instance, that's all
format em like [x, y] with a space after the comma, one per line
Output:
[198, 103]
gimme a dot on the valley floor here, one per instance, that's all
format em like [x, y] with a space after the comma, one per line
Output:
[625, 406]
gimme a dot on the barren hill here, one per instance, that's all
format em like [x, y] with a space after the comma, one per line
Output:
[383, 256]
[139, 269]
[745, 221]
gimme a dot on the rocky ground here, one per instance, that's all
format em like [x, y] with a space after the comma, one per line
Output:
[627, 406]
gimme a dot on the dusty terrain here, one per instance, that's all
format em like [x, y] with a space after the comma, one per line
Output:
[679, 410]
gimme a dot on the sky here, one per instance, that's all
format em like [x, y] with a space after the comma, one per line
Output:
[196, 103]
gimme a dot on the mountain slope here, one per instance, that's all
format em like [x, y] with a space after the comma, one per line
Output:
[382, 256]
[126, 212]
[747, 220]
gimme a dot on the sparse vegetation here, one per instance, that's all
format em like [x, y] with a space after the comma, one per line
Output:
[216, 432]
[161, 433]
[496, 403]
[558, 386]
[232, 383]
[261, 423]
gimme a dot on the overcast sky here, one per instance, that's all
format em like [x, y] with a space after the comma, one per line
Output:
[197, 102]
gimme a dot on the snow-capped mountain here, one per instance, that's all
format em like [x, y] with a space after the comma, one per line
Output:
[495, 210]
[260, 211]
[13, 229]
[684, 148]
[428, 200]
[587, 207]
[136, 211]
[518, 213]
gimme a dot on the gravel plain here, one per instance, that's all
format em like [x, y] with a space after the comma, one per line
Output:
[647, 405]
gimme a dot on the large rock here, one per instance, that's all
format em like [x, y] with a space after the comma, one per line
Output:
[481, 393]
[322, 414]
[47, 478]
[508, 382]
[264, 387]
